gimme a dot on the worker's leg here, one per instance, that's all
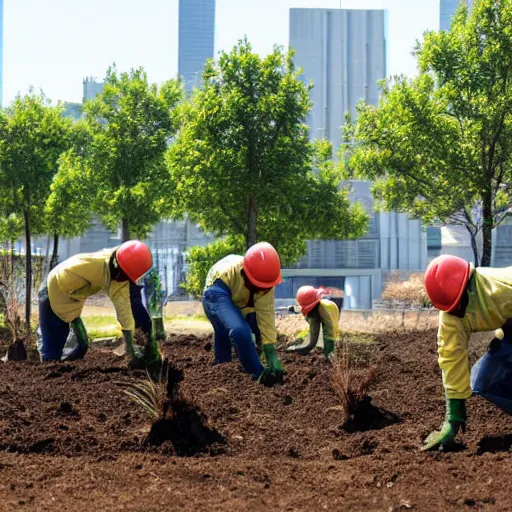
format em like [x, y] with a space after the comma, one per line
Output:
[226, 318]
[491, 376]
[139, 311]
[52, 331]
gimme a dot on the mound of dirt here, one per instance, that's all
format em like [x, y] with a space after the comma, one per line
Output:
[71, 439]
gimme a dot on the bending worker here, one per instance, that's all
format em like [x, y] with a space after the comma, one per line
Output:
[118, 271]
[239, 301]
[318, 311]
[470, 299]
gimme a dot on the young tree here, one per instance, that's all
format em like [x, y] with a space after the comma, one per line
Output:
[33, 134]
[131, 124]
[439, 146]
[68, 207]
[243, 165]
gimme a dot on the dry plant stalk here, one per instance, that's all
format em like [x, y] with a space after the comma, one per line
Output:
[351, 385]
[152, 396]
[408, 293]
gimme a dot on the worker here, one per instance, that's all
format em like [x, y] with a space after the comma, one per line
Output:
[118, 271]
[238, 300]
[318, 311]
[470, 299]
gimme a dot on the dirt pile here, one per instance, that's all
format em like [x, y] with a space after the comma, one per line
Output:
[71, 439]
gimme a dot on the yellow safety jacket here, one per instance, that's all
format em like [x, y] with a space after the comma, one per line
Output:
[489, 307]
[328, 317]
[83, 275]
[229, 270]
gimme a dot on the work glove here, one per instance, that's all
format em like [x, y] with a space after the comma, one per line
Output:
[82, 346]
[270, 377]
[329, 349]
[454, 421]
[271, 356]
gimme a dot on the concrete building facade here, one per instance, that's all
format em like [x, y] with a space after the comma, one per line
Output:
[196, 39]
[344, 53]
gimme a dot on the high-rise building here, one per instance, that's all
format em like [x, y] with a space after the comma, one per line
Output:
[196, 39]
[343, 52]
[91, 88]
[447, 9]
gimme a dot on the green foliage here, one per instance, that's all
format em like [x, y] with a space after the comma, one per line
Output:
[440, 144]
[130, 125]
[243, 165]
[33, 134]
[68, 210]
[201, 259]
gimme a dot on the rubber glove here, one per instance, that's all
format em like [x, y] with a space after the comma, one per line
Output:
[82, 346]
[271, 356]
[129, 342]
[270, 377]
[455, 420]
[328, 348]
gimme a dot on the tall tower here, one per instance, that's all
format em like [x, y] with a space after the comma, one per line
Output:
[196, 39]
[344, 53]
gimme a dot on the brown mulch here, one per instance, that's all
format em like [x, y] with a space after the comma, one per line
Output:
[72, 440]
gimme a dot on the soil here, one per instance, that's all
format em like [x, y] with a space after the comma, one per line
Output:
[72, 439]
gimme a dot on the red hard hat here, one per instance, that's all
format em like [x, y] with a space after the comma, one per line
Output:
[445, 280]
[308, 297]
[134, 258]
[262, 265]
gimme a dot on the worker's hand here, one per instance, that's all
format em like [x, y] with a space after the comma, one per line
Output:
[270, 377]
[79, 351]
[271, 356]
[454, 421]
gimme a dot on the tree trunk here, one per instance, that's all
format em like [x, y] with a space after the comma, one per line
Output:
[28, 269]
[474, 244]
[486, 230]
[55, 252]
[251, 221]
[125, 230]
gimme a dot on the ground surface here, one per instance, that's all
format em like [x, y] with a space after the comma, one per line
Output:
[72, 440]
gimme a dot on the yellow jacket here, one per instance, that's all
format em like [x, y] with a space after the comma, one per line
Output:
[489, 307]
[229, 270]
[83, 275]
[329, 318]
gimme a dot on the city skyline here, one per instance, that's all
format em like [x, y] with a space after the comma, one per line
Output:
[45, 46]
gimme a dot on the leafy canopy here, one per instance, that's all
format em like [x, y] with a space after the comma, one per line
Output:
[242, 163]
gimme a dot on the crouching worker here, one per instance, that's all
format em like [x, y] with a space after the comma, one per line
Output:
[238, 300]
[470, 299]
[117, 271]
[318, 311]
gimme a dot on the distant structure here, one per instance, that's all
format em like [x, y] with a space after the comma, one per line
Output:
[343, 52]
[196, 39]
[91, 88]
[447, 9]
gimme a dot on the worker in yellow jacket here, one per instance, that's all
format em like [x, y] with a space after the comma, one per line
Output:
[470, 299]
[238, 299]
[118, 271]
[318, 311]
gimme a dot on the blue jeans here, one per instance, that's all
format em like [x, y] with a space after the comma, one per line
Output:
[231, 327]
[491, 376]
[53, 332]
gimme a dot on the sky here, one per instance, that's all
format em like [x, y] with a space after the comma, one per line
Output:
[53, 44]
